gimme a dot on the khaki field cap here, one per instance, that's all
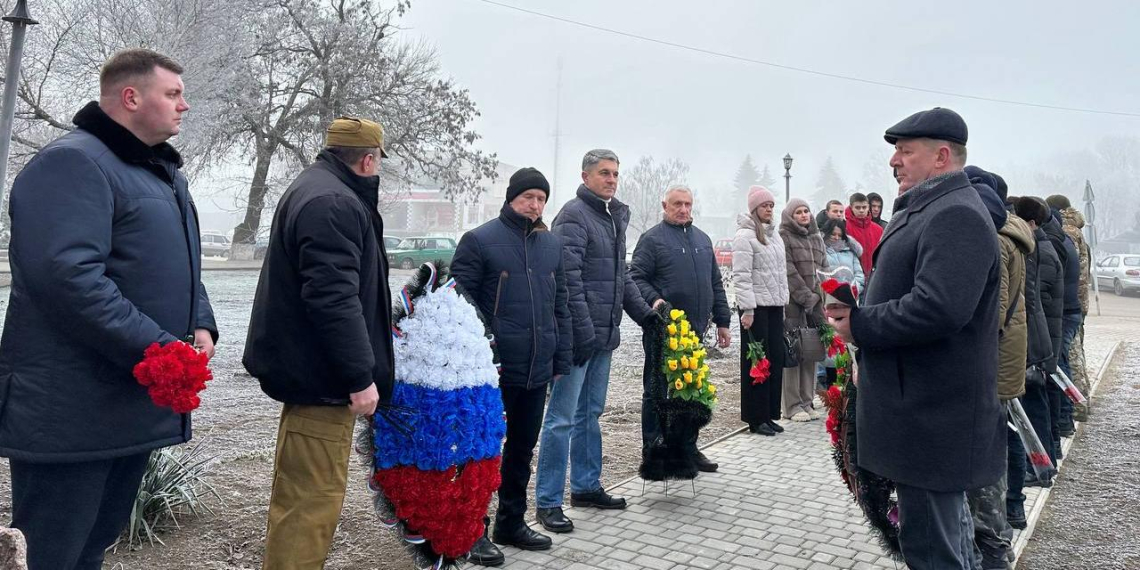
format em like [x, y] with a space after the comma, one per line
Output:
[353, 132]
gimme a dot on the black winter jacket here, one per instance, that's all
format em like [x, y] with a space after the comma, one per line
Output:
[512, 268]
[593, 249]
[928, 411]
[677, 263]
[105, 257]
[1070, 261]
[1052, 279]
[1040, 343]
[321, 327]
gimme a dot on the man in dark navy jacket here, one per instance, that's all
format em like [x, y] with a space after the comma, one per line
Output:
[928, 412]
[105, 261]
[674, 261]
[512, 268]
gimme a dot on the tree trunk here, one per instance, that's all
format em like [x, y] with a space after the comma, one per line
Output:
[245, 234]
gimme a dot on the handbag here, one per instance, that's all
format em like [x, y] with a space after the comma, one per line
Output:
[792, 348]
[811, 348]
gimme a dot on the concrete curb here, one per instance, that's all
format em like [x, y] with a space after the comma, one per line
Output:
[1034, 515]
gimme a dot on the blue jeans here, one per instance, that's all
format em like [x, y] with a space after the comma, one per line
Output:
[570, 432]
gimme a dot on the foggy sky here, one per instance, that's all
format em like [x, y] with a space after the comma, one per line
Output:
[645, 99]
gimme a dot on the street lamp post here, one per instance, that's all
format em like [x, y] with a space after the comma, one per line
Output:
[1090, 228]
[20, 19]
[787, 178]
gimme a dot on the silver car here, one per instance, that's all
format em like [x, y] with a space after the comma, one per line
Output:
[1120, 272]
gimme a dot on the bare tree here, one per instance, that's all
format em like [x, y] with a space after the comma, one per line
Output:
[642, 186]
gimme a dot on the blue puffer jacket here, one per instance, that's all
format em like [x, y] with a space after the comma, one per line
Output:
[105, 260]
[512, 268]
[841, 254]
[677, 263]
[593, 248]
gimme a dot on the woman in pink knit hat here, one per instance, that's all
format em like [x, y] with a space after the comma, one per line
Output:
[760, 282]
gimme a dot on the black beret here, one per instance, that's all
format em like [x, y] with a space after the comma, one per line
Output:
[937, 123]
[527, 179]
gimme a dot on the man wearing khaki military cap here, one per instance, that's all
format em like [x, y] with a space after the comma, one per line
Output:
[319, 336]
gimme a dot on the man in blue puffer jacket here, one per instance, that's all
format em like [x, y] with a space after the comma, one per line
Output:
[105, 261]
[512, 268]
[592, 227]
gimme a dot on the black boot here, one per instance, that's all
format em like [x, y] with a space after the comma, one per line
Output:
[555, 520]
[523, 538]
[704, 465]
[485, 554]
[762, 429]
[1015, 515]
[775, 426]
[599, 499]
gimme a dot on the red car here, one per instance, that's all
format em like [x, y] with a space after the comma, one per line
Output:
[723, 252]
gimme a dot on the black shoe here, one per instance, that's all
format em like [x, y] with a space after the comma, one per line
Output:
[485, 554]
[1032, 481]
[524, 538]
[762, 429]
[555, 520]
[1015, 515]
[704, 465]
[599, 499]
[775, 426]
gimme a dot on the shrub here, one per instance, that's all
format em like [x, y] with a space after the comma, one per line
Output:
[174, 485]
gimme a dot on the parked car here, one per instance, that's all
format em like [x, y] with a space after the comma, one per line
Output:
[723, 251]
[412, 252]
[1121, 272]
[215, 245]
[390, 243]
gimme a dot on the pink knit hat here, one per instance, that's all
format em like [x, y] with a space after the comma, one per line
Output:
[758, 195]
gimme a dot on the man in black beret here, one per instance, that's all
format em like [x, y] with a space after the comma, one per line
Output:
[512, 268]
[928, 414]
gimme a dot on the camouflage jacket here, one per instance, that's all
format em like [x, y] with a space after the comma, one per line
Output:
[1073, 224]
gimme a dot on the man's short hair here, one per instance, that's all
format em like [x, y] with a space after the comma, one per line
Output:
[857, 198]
[597, 155]
[132, 65]
[1032, 208]
[875, 197]
[676, 188]
[831, 203]
[351, 155]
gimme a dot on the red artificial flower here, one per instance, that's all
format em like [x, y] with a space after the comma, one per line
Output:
[837, 346]
[830, 285]
[834, 393]
[173, 375]
[1040, 459]
[760, 371]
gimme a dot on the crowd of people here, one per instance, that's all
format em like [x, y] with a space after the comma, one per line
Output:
[970, 297]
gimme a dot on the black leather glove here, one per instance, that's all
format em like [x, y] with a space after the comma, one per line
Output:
[583, 352]
[653, 319]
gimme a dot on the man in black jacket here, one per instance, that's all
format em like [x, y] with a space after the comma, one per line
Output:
[928, 414]
[1070, 323]
[105, 261]
[512, 268]
[674, 261]
[592, 228]
[320, 336]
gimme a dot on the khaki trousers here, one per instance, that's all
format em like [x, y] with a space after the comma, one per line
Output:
[310, 472]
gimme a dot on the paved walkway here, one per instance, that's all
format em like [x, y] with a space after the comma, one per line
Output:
[777, 502]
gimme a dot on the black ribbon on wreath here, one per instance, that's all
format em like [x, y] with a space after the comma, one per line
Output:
[871, 492]
[672, 454]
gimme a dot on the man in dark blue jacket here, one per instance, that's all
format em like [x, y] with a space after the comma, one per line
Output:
[105, 261]
[674, 261]
[512, 268]
[928, 413]
[320, 335]
[1071, 322]
[592, 227]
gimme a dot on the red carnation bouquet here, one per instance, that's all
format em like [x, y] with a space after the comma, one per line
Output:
[761, 366]
[839, 285]
[173, 375]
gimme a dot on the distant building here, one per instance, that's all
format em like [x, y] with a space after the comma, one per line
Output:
[426, 210]
[1124, 242]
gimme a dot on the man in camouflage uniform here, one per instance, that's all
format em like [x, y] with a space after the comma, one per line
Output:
[1073, 222]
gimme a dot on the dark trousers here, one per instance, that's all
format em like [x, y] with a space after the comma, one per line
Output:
[935, 529]
[71, 513]
[1071, 325]
[524, 409]
[760, 403]
[1015, 471]
[1056, 399]
[1036, 404]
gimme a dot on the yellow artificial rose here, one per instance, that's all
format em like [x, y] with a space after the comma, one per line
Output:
[694, 363]
[699, 383]
[676, 314]
[712, 388]
[684, 327]
[673, 343]
[678, 385]
[672, 328]
[688, 377]
[672, 364]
